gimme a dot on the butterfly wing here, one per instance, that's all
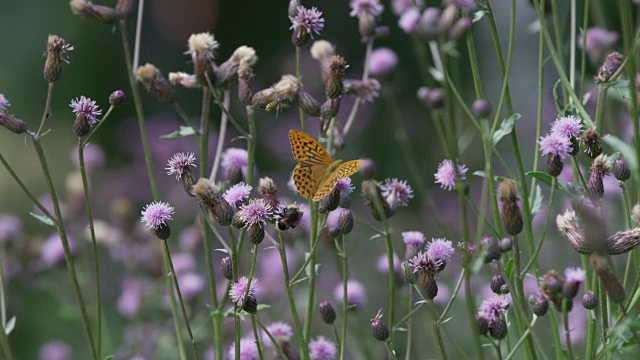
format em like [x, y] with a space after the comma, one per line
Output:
[327, 184]
[307, 178]
[306, 150]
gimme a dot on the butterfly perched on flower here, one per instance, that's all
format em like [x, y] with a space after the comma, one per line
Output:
[316, 173]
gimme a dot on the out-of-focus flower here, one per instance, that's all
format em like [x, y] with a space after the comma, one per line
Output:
[55, 350]
[399, 7]
[446, 175]
[598, 42]
[10, 228]
[383, 264]
[382, 62]
[367, 90]
[191, 284]
[396, 192]
[321, 348]
[440, 249]
[4, 103]
[52, 252]
[366, 7]
[183, 79]
[462, 4]
[234, 162]
[130, 298]
[356, 294]
[409, 20]
[248, 350]
[281, 332]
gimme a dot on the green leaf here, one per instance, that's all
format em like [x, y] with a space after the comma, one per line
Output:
[508, 269]
[626, 149]
[222, 250]
[536, 204]
[298, 281]
[436, 74]
[263, 306]
[505, 128]
[542, 176]
[556, 98]
[110, 357]
[481, 173]
[445, 320]
[45, 219]
[184, 131]
[575, 192]
[11, 324]
[478, 15]
[622, 90]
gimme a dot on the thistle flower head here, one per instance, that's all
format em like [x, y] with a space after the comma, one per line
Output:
[396, 192]
[367, 90]
[202, 45]
[4, 103]
[180, 163]
[409, 20]
[248, 350]
[493, 308]
[234, 160]
[310, 20]
[87, 108]
[601, 164]
[591, 139]
[366, 7]
[569, 227]
[322, 49]
[555, 145]
[239, 288]
[321, 348]
[245, 54]
[287, 87]
[281, 332]
[237, 194]
[574, 274]
[382, 62]
[440, 249]
[446, 174]
[356, 294]
[255, 212]
[57, 48]
[156, 214]
[413, 238]
[423, 263]
[567, 126]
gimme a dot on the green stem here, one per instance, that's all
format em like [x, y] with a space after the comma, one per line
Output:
[365, 76]
[186, 120]
[555, 15]
[522, 339]
[251, 145]
[604, 317]
[299, 76]
[536, 150]
[602, 96]
[577, 169]
[345, 278]
[583, 52]
[535, 254]
[591, 328]
[251, 273]
[256, 335]
[436, 330]
[313, 239]
[174, 276]
[453, 295]
[627, 214]
[567, 331]
[392, 354]
[94, 244]
[407, 352]
[100, 124]
[3, 310]
[496, 345]
[47, 110]
[392, 276]
[273, 340]
[224, 109]
[222, 133]
[174, 306]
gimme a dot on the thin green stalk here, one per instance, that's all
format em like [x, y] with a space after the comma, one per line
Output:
[186, 120]
[313, 239]
[273, 340]
[517, 305]
[4, 345]
[365, 76]
[576, 167]
[604, 317]
[345, 278]
[292, 302]
[252, 271]
[98, 126]
[47, 110]
[65, 246]
[602, 96]
[174, 306]
[174, 276]
[299, 76]
[583, 52]
[453, 296]
[256, 336]
[496, 345]
[3, 310]
[392, 354]
[407, 352]
[139, 111]
[555, 15]
[392, 277]
[591, 328]
[436, 330]
[572, 47]
[536, 150]
[522, 339]
[567, 330]
[225, 109]
[535, 254]
[222, 133]
[251, 145]
[94, 244]
[627, 213]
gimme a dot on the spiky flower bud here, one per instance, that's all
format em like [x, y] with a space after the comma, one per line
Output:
[250, 304]
[611, 64]
[327, 313]
[238, 221]
[483, 324]
[12, 123]
[116, 98]
[407, 272]
[599, 168]
[623, 241]
[498, 285]
[226, 267]
[481, 108]
[329, 202]
[511, 214]
[592, 142]
[100, 13]
[506, 244]
[373, 198]
[81, 126]
[245, 83]
[498, 329]
[554, 165]
[217, 207]
[256, 233]
[56, 49]
[379, 329]
[589, 300]
[539, 304]
[269, 191]
[551, 287]
[152, 79]
[621, 170]
[334, 87]
[329, 109]
[308, 103]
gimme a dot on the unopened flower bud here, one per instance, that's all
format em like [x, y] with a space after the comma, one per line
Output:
[498, 285]
[483, 325]
[367, 169]
[428, 25]
[407, 271]
[539, 304]
[56, 49]
[589, 300]
[156, 84]
[498, 329]
[12, 123]
[493, 253]
[481, 108]
[308, 103]
[245, 83]
[217, 207]
[269, 191]
[250, 304]
[599, 168]
[611, 64]
[334, 88]
[575, 146]
[162, 232]
[592, 142]
[511, 214]
[116, 97]
[551, 286]
[460, 28]
[327, 313]
[81, 126]
[345, 221]
[447, 19]
[238, 221]
[373, 198]
[330, 108]
[428, 284]
[103, 14]
[226, 267]
[300, 36]
[433, 98]
[366, 25]
[329, 202]
[621, 170]
[256, 233]
[379, 329]
[554, 165]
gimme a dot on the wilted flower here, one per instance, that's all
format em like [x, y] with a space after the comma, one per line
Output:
[367, 90]
[57, 48]
[446, 175]
[569, 227]
[366, 7]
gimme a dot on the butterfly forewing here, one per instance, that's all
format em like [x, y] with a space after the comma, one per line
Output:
[329, 182]
[307, 150]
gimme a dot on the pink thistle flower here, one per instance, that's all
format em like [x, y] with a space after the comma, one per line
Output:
[309, 19]
[179, 163]
[424, 263]
[156, 214]
[413, 238]
[440, 249]
[237, 194]
[493, 308]
[356, 294]
[382, 61]
[399, 7]
[191, 284]
[4, 102]
[321, 348]
[255, 212]
[86, 107]
[345, 186]
[396, 192]
[409, 20]
[52, 252]
[248, 350]
[383, 264]
[574, 275]
[366, 7]
[235, 158]
[598, 41]
[567, 126]
[446, 174]
[239, 288]
[555, 145]
[281, 332]
[55, 350]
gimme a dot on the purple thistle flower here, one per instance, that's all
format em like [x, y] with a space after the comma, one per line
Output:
[52, 252]
[446, 174]
[399, 7]
[236, 293]
[555, 145]
[493, 308]
[383, 263]
[235, 158]
[382, 61]
[440, 249]
[462, 4]
[281, 332]
[10, 228]
[86, 107]
[396, 192]
[321, 348]
[248, 350]
[409, 20]
[356, 294]
[4, 102]
[156, 214]
[130, 298]
[191, 284]
[424, 263]
[309, 19]
[179, 163]
[345, 186]
[255, 212]
[413, 238]
[574, 275]
[366, 7]
[237, 194]
[598, 41]
[55, 350]
[567, 126]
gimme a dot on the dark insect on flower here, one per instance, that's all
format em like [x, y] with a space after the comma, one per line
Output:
[288, 217]
[278, 105]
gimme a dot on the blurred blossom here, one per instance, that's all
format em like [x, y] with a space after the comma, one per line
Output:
[366, 7]
[52, 252]
[356, 293]
[10, 228]
[93, 157]
[409, 20]
[55, 350]
[446, 174]
[598, 43]
[234, 159]
[413, 238]
[270, 270]
[209, 354]
[383, 263]
[444, 293]
[321, 348]
[440, 249]
[462, 4]
[189, 238]
[396, 192]
[4, 102]
[281, 332]
[382, 62]
[130, 298]
[248, 349]
[400, 6]
[191, 284]
[332, 220]
[183, 262]
[239, 288]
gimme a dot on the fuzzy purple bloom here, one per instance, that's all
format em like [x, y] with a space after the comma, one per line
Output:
[493, 308]
[130, 298]
[462, 4]
[345, 186]
[237, 194]
[396, 192]
[255, 212]
[235, 158]
[440, 249]
[399, 7]
[356, 294]
[574, 275]
[309, 19]
[238, 289]
[10, 228]
[86, 107]
[52, 252]
[413, 238]
[179, 163]
[55, 350]
[567, 126]
[321, 348]
[446, 174]
[332, 220]
[281, 332]
[156, 214]
[598, 41]
[555, 145]
[409, 20]
[424, 263]
[4, 102]
[382, 61]
[382, 264]
[366, 7]
[93, 157]
[248, 350]
[191, 284]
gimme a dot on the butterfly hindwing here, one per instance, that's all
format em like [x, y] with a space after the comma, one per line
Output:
[307, 150]
[344, 170]
[307, 179]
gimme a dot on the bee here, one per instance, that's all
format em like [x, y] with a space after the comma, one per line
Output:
[289, 218]
[278, 105]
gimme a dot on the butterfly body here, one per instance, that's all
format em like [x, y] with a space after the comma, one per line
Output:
[316, 173]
